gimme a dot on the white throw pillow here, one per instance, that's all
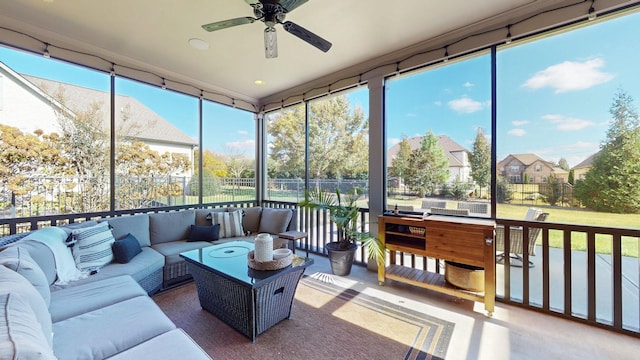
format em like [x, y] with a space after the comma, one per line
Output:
[230, 223]
[93, 247]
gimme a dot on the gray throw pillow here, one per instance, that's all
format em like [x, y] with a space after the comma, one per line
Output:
[275, 221]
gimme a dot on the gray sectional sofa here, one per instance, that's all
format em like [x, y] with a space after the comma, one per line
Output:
[53, 309]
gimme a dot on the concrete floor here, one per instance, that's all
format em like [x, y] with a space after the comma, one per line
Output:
[511, 333]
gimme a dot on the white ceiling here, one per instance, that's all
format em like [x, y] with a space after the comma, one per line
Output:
[154, 34]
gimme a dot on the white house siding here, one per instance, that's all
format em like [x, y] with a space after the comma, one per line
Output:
[24, 109]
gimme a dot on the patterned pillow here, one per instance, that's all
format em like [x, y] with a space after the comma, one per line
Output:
[93, 247]
[230, 223]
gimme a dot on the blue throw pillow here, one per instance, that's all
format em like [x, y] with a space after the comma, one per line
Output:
[204, 233]
[126, 249]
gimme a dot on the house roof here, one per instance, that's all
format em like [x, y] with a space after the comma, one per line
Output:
[446, 143]
[588, 162]
[148, 125]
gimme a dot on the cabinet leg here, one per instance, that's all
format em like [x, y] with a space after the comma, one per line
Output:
[381, 283]
[490, 313]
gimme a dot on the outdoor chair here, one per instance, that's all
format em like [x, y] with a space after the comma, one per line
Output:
[474, 207]
[428, 204]
[443, 211]
[400, 207]
[516, 239]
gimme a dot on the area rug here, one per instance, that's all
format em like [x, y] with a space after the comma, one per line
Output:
[327, 322]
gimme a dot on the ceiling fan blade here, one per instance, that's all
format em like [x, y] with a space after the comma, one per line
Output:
[307, 36]
[252, 2]
[228, 23]
[290, 5]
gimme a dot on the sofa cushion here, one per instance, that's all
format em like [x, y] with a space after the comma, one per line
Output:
[251, 219]
[13, 283]
[136, 225]
[18, 260]
[230, 223]
[126, 249]
[174, 344]
[54, 238]
[275, 221]
[141, 266]
[21, 336]
[93, 250]
[109, 330]
[170, 226]
[42, 255]
[83, 298]
[171, 250]
[204, 233]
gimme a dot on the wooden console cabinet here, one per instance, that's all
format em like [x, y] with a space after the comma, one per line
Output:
[462, 240]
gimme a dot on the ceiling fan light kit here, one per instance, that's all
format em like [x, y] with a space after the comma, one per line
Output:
[273, 12]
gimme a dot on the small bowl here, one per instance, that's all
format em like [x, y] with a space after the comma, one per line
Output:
[281, 253]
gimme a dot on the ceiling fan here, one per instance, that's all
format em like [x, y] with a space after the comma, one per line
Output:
[273, 12]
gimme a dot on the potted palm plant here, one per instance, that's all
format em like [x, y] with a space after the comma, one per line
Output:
[344, 212]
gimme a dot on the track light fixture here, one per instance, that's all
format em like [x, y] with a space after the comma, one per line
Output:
[508, 40]
[45, 53]
[592, 11]
[164, 84]
[446, 54]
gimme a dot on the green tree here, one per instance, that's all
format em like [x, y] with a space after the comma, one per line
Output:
[338, 138]
[480, 160]
[612, 184]
[24, 157]
[429, 166]
[571, 180]
[563, 164]
[400, 164]
[552, 191]
[145, 176]
[503, 190]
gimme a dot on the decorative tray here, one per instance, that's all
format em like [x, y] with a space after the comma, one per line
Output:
[280, 261]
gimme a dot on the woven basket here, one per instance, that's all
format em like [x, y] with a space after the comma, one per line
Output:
[276, 264]
[416, 230]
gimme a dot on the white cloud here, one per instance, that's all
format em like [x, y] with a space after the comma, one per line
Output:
[243, 132]
[242, 145]
[517, 132]
[519, 122]
[565, 123]
[437, 103]
[570, 76]
[465, 105]
[468, 85]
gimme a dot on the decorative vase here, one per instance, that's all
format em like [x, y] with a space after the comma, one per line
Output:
[341, 259]
[263, 247]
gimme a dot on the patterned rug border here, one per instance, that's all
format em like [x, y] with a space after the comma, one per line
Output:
[431, 342]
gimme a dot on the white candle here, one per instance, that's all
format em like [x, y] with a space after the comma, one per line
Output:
[263, 247]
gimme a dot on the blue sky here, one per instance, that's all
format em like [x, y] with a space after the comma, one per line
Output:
[553, 98]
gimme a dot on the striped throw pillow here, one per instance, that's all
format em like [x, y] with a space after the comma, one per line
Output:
[230, 223]
[92, 249]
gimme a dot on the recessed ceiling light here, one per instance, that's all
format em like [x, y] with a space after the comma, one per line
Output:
[198, 44]
[259, 82]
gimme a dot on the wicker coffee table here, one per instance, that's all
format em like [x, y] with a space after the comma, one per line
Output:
[251, 301]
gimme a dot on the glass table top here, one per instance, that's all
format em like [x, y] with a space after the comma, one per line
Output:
[230, 259]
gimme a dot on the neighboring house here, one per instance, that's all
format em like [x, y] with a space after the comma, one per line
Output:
[580, 170]
[27, 102]
[516, 167]
[459, 167]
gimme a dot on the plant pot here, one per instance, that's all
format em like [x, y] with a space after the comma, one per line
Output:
[341, 259]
